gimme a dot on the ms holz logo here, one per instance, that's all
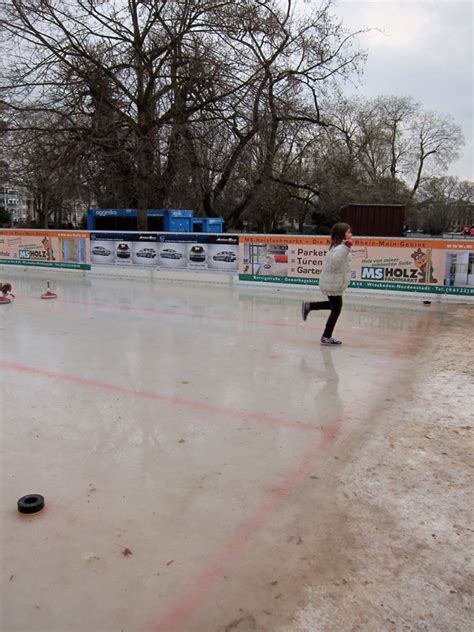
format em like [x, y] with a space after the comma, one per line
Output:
[381, 274]
[24, 253]
[421, 273]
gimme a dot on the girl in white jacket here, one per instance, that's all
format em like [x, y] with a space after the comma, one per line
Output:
[335, 277]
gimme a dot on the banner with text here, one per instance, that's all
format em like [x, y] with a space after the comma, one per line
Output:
[191, 251]
[57, 249]
[413, 265]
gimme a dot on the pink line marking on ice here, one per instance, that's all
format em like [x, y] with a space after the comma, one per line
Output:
[227, 411]
[296, 324]
[170, 312]
[177, 616]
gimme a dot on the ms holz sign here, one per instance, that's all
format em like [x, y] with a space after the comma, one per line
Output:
[380, 274]
[434, 266]
[53, 249]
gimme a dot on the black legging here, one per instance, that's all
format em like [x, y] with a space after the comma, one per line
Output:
[334, 303]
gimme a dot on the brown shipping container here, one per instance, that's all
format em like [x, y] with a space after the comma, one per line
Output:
[379, 220]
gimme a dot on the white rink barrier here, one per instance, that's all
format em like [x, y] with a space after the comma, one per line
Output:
[429, 268]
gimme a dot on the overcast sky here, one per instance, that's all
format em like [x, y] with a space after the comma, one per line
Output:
[422, 49]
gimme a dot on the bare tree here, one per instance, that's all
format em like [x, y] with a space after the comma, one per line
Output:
[436, 143]
[119, 65]
[444, 203]
[48, 165]
[294, 64]
[380, 150]
[166, 97]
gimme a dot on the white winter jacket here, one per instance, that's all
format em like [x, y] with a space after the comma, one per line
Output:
[336, 271]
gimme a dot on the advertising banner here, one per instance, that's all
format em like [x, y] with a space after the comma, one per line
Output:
[193, 251]
[435, 266]
[68, 249]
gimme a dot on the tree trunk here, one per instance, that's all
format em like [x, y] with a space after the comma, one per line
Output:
[144, 175]
[301, 219]
[142, 218]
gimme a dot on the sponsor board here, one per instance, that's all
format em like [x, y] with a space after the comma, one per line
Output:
[430, 266]
[53, 249]
[218, 253]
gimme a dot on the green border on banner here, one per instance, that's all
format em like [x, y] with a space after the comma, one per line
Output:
[402, 287]
[369, 285]
[45, 264]
[278, 279]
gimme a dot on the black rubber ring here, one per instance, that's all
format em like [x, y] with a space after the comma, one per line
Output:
[31, 503]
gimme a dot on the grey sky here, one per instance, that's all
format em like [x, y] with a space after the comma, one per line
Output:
[422, 49]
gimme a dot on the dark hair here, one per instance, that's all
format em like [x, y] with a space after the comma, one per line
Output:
[338, 232]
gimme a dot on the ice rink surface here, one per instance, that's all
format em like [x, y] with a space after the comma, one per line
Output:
[178, 433]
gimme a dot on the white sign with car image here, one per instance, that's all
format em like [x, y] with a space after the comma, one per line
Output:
[123, 252]
[197, 256]
[102, 252]
[223, 257]
[172, 255]
[145, 254]
[175, 251]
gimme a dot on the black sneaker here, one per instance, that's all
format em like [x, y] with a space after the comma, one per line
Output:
[330, 341]
[305, 310]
